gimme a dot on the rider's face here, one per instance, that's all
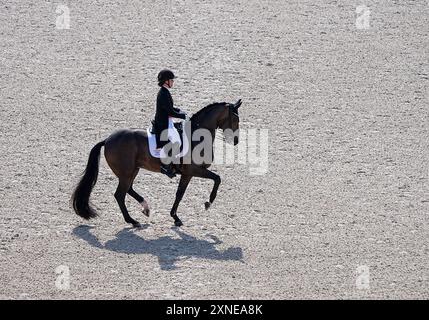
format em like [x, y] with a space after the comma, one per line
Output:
[170, 83]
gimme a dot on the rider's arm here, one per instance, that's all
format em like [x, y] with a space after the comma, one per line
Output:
[176, 113]
[180, 112]
[172, 112]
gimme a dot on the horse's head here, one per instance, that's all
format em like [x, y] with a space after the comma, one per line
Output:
[230, 122]
[219, 116]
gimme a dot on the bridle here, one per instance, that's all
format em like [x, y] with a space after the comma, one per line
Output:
[230, 114]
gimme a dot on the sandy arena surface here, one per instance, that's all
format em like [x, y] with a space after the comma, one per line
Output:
[347, 181]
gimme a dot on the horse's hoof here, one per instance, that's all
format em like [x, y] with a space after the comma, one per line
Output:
[178, 223]
[207, 205]
[137, 225]
[146, 212]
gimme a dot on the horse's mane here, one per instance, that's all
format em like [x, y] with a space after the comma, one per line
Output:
[206, 109]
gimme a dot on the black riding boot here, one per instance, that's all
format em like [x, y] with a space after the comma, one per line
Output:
[167, 169]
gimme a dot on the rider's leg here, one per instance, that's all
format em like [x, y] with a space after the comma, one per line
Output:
[166, 161]
[174, 146]
[173, 136]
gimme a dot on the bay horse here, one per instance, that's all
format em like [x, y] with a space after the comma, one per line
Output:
[127, 151]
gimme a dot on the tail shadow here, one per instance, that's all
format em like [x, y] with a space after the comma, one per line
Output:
[168, 250]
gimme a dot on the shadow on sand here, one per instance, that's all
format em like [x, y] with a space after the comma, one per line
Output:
[168, 250]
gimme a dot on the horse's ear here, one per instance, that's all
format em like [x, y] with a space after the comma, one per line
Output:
[237, 104]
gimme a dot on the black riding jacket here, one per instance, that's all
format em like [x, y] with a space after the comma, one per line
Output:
[164, 109]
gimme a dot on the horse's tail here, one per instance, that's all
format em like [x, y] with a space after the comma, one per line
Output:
[83, 190]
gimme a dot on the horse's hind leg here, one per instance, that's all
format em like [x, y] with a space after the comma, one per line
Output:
[141, 200]
[123, 187]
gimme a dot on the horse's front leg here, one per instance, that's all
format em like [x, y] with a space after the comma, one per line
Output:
[202, 172]
[213, 194]
[183, 184]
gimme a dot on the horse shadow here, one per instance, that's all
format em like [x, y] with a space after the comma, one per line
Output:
[167, 249]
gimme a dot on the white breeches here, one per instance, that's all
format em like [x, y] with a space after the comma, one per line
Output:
[173, 136]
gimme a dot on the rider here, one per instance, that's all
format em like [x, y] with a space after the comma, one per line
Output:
[165, 112]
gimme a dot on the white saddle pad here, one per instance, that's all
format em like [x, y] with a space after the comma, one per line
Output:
[156, 153]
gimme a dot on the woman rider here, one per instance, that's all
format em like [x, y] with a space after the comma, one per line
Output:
[165, 112]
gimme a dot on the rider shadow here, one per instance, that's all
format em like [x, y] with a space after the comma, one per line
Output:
[168, 250]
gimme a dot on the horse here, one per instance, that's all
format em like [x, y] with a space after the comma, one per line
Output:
[127, 151]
